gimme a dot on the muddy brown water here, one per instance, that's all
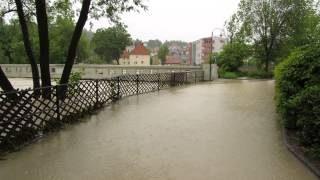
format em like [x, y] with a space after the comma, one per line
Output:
[224, 130]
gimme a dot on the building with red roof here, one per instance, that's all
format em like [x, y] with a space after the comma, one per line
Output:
[172, 60]
[139, 56]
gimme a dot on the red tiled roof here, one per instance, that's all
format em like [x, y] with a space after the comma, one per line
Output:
[139, 50]
[172, 60]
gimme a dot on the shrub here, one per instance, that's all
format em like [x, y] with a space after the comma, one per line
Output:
[306, 105]
[232, 56]
[74, 78]
[227, 75]
[295, 74]
[260, 74]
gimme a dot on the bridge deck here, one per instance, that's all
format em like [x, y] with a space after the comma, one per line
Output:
[223, 130]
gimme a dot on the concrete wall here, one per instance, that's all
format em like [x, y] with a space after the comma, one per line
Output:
[95, 71]
[214, 72]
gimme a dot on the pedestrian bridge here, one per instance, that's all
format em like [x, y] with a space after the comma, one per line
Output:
[219, 130]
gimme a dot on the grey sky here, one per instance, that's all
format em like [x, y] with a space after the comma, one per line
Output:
[186, 20]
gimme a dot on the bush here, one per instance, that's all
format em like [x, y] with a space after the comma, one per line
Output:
[260, 75]
[298, 72]
[306, 105]
[232, 56]
[227, 75]
[74, 78]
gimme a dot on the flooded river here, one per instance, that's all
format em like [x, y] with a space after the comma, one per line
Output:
[226, 130]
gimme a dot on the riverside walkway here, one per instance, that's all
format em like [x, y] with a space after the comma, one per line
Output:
[225, 130]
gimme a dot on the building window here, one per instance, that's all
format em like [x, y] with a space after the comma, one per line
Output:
[141, 62]
[53, 70]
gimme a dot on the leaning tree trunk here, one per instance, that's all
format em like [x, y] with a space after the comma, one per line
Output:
[27, 45]
[5, 84]
[75, 41]
[44, 42]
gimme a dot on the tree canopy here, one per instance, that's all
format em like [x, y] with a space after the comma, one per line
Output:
[163, 52]
[273, 27]
[110, 43]
[43, 13]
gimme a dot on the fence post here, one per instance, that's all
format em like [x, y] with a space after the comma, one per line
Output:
[186, 79]
[195, 77]
[57, 103]
[97, 91]
[118, 84]
[158, 81]
[137, 80]
[202, 79]
[174, 79]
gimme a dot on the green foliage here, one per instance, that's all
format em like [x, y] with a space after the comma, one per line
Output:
[260, 74]
[12, 47]
[75, 78]
[227, 75]
[232, 56]
[163, 52]
[110, 43]
[60, 36]
[11, 44]
[298, 95]
[306, 105]
[299, 71]
[274, 28]
[213, 58]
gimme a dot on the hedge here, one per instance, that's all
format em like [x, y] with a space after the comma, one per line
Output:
[298, 94]
[298, 72]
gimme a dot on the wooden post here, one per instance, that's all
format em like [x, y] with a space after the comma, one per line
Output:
[57, 103]
[118, 89]
[137, 80]
[97, 91]
[174, 79]
[186, 79]
[158, 81]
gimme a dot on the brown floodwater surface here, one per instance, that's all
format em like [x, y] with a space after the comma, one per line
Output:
[225, 130]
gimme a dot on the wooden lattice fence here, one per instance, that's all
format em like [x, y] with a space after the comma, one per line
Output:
[26, 114]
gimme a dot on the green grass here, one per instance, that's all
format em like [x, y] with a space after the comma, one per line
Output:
[255, 75]
[228, 75]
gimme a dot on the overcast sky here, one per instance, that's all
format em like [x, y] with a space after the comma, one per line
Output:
[186, 20]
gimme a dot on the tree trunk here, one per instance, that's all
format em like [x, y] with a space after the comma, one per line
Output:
[27, 45]
[5, 84]
[44, 42]
[75, 41]
[267, 62]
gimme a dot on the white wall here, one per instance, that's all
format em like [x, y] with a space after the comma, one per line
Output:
[218, 43]
[94, 71]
